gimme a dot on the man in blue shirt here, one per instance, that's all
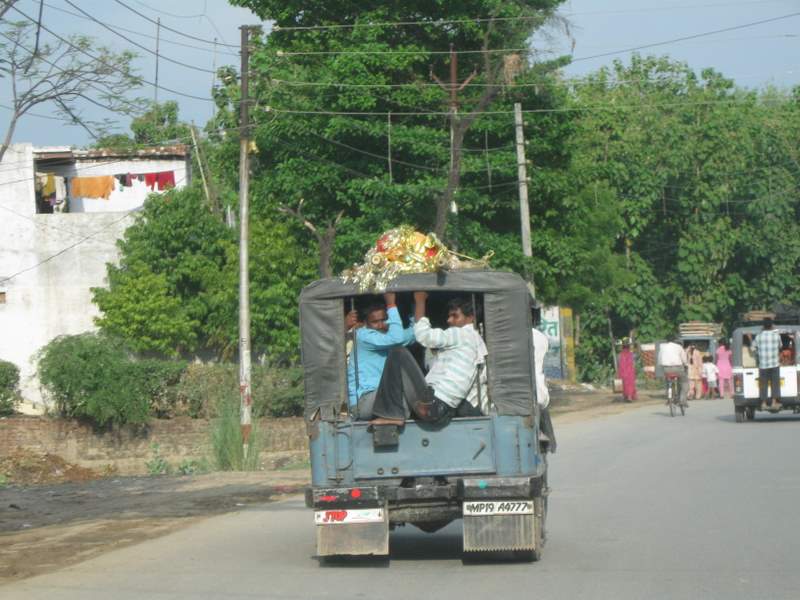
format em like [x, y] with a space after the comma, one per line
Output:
[382, 331]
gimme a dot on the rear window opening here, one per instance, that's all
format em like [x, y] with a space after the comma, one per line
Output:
[436, 310]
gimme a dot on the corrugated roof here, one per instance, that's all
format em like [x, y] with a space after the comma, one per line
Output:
[61, 152]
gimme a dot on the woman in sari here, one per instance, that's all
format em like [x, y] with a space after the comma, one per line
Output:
[626, 371]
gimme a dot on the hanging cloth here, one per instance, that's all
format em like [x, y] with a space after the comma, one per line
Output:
[49, 187]
[61, 189]
[92, 187]
[166, 180]
[150, 180]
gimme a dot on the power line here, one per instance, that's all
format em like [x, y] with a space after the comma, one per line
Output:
[687, 37]
[137, 44]
[98, 60]
[168, 14]
[608, 106]
[186, 35]
[443, 22]
[145, 35]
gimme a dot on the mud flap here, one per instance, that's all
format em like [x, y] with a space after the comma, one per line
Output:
[354, 539]
[499, 533]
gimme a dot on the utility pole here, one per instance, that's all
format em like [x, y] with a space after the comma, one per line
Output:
[522, 177]
[158, 42]
[245, 390]
[455, 146]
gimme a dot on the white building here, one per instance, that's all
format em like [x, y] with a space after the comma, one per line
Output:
[49, 262]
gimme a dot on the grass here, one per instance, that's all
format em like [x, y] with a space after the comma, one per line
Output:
[226, 441]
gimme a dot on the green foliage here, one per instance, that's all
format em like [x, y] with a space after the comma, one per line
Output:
[160, 124]
[194, 466]
[94, 377]
[205, 388]
[227, 443]
[9, 391]
[157, 465]
[176, 288]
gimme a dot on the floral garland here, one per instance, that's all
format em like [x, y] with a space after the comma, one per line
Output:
[404, 250]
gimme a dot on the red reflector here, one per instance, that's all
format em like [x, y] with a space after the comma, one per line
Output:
[327, 498]
[355, 493]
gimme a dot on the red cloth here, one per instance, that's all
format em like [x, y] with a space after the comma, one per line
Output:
[150, 180]
[165, 179]
[627, 372]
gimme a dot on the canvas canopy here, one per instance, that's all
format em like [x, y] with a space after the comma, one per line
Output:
[507, 321]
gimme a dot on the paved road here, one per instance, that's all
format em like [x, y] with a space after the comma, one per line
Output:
[644, 506]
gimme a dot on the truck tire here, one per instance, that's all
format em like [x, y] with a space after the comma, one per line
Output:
[740, 414]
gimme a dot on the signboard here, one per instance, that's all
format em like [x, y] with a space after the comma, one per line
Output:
[550, 325]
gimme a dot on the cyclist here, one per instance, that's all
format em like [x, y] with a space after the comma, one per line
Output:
[672, 358]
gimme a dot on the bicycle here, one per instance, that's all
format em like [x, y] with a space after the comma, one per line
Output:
[673, 394]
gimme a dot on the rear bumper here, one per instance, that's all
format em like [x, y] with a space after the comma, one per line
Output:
[742, 401]
[468, 488]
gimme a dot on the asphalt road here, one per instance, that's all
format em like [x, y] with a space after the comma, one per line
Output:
[643, 506]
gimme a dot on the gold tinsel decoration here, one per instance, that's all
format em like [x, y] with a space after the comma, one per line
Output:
[404, 250]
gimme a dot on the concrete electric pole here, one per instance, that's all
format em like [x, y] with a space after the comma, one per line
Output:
[245, 389]
[522, 177]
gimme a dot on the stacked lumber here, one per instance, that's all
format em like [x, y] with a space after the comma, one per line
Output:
[699, 329]
[758, 315]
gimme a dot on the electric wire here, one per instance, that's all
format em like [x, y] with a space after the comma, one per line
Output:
[186, 35]
[100, 61]
[137, 44]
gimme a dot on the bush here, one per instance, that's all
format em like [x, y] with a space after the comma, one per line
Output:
[94, 377]
[9, 393]
[277, 392]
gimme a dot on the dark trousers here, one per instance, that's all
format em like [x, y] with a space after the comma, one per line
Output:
[773, 378]
[404, 391]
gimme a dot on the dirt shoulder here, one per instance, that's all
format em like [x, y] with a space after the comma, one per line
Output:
[49, 526]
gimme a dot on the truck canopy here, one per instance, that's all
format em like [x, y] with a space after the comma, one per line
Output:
[507, 321]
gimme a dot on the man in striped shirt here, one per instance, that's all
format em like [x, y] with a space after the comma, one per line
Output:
[767, 347]
[455, 375]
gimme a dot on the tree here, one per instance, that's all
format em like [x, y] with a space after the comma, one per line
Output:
[356, 176]
[65, 74]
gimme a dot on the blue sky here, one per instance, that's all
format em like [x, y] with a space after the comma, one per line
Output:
[754, 57]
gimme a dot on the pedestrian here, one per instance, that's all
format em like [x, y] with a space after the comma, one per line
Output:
[626, 371]
[695, 372]
[725, 370]
[767, 347]
[710, 373]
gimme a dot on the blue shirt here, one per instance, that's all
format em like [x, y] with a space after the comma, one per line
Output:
[372, 347]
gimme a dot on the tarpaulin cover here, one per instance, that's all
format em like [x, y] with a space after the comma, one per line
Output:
[507, 321]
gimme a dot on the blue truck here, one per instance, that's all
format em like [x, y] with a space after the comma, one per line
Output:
[489, 471]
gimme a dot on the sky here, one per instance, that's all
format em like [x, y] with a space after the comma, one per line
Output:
[753, 56]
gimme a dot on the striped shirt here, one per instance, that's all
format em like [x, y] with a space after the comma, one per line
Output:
[458, 352]
[768, 348]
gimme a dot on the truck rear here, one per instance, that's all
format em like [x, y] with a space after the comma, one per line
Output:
[489, 471]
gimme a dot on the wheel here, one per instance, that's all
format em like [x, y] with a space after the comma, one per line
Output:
[750, 413]
[740, 414]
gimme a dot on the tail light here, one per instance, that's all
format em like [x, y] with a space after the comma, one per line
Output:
[738, 383]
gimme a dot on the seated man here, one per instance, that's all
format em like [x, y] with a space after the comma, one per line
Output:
[672, 357]
[454, 376]
[382, 330]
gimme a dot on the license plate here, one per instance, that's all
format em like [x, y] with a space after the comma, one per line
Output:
[342, 516]
[498, 507]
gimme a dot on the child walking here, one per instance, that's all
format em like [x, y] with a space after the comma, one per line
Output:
[710, 372]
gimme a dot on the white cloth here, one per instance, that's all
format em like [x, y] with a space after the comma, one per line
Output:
[710, 372]
[540, 347]
[672, 354]
[458, 353]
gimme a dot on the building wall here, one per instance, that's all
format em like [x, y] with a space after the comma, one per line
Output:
[57, 259]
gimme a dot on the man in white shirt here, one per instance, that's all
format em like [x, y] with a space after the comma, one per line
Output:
[454, 376]
[541, 345]
[672, 358]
